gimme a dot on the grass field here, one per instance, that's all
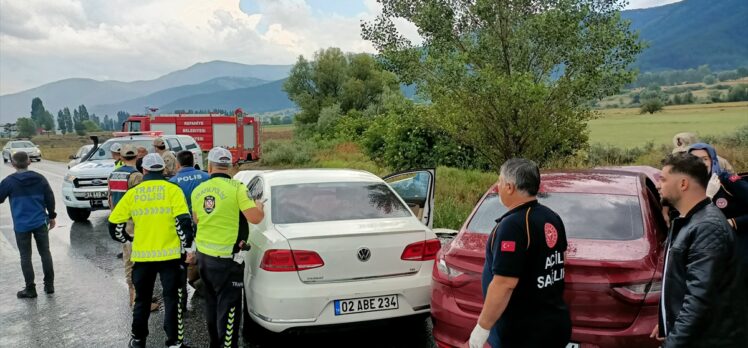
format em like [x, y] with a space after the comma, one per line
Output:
[626, 128]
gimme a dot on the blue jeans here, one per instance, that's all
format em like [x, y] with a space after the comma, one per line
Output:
[23, 240]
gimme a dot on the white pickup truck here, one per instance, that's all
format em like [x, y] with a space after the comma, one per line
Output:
[85, 188]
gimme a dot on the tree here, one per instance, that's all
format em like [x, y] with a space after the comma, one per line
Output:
[510, 78]
[37, 110]
[651, 106]
[710, 79]
[121, 118]
[714, 96]
[69, 125]
[26, 127]
[90, 126]
[83, 113]
[353, 81]
[61, 122]
[41, 117]
[80, 128]
[738, 93]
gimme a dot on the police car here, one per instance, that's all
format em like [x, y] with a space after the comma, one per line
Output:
[339, 246]
[85, 187]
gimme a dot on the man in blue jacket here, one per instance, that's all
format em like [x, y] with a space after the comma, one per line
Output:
[32, 206]
[187, 177]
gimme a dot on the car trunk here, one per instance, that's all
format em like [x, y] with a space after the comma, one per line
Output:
[609, 266]
[338, 243]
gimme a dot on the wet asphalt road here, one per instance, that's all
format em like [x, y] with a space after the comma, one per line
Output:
[90, 305]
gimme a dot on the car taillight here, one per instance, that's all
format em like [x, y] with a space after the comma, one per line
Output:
[447, 275]
[421, 251]
[281, 260]
[649, 293]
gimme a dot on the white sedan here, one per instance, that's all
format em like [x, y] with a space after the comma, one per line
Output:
[339, 246]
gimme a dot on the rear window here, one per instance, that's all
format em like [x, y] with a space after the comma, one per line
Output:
[335, 201]
[585, 215]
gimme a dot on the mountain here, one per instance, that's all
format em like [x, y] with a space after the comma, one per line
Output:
[73, 92]
[168, 95]
[263, 98]
[690, 33]
[202, 72]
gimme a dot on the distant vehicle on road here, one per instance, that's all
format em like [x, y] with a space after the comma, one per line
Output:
[615, 228]
[85, 187]
[27, 146]
[338, 247]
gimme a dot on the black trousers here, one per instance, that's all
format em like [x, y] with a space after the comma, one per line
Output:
[224, 281]
[23, 240]
[172, 278]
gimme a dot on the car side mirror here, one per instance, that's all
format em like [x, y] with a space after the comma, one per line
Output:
[72, 157]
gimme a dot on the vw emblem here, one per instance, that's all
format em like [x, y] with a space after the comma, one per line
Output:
[364, 254]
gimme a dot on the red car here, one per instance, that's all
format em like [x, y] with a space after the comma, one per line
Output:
[616, 232]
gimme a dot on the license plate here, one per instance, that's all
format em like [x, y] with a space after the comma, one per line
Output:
[97, 204]
[572, 345]
[94, 195]
[366, 304]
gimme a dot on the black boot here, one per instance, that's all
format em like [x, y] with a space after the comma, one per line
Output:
[27, 292]
[49, 288]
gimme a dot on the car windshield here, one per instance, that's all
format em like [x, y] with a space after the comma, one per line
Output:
[21, 145]
[317, 202]
[103, 151]
[585, 215]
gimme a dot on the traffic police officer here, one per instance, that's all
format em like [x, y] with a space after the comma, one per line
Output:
[218, 205]
[121, 180]
[155, 205]
[523, 277]
[115, 149]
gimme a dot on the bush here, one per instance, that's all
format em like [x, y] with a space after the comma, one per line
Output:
[651, 106]
[288, 153]
[738, 93]
[722, 87]
[410, 138]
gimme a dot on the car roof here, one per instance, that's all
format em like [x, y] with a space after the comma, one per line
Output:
[303, 176]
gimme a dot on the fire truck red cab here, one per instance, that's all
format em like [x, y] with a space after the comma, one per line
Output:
[238, 133]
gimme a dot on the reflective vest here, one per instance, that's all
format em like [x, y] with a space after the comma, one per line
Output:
[118, 183]
[153, 206]
[218, 203]
[118, 164]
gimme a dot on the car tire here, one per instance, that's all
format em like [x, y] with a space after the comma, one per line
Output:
[78, 214]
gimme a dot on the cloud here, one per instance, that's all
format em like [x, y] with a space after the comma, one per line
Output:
[43, 41]
[648, 3]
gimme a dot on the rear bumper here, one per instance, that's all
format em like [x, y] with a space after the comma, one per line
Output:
[452, 325]
[278, 307]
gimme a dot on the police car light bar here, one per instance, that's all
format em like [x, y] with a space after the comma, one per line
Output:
[149, 133]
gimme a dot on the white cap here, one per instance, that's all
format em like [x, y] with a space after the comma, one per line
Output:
[219, 155]
[115, 147]
[153, 162]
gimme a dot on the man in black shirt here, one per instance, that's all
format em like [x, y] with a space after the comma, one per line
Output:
[523, 277]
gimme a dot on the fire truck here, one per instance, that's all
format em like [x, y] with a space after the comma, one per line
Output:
[238, 133]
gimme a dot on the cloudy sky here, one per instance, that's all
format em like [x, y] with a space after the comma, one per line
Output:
[47, 40]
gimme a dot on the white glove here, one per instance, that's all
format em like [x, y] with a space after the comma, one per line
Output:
[713, 187]
[478, 337]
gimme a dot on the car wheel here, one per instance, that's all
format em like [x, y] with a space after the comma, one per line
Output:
[78, 214]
